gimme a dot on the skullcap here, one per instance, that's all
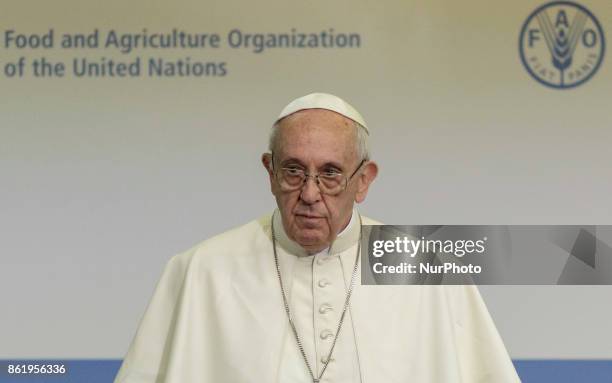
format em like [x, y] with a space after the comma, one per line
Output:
[323, 101]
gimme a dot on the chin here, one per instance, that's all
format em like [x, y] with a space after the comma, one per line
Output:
[310, 240]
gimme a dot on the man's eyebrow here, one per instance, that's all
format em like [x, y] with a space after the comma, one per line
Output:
[291, 160]
[333, 164]
[328, 164]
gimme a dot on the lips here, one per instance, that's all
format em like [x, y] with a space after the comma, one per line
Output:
[309, 221]
[309, 216]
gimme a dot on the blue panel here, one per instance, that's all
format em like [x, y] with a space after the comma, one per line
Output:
[564, 371]
[77, 371]
[530, 371]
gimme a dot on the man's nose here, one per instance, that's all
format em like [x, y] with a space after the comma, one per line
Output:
[310, 191]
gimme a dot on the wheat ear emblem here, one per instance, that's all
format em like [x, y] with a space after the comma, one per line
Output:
[562, 43]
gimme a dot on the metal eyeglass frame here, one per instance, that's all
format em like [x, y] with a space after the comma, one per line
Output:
[316, 177]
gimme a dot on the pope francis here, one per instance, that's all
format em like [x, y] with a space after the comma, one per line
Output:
[279, 299]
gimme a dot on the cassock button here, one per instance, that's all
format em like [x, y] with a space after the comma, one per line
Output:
[324, 282]
[326, 334]
[324, 308]
[321, 260]
[324, 360]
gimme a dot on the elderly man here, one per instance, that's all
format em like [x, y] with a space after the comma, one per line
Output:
[279, 299]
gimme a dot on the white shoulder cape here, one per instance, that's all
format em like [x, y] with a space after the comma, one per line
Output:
[217, 316]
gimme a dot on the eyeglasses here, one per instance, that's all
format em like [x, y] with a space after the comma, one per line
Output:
[330, 182]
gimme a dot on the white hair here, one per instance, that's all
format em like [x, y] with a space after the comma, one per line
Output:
[361, 140]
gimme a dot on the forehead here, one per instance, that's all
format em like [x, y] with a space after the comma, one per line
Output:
[317, 135]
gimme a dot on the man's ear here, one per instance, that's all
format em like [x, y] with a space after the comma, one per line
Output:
[367, 176]
[266, 160]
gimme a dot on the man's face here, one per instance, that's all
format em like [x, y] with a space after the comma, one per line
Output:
[317, 140]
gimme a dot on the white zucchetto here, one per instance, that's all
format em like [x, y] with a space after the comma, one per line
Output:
[323, 101]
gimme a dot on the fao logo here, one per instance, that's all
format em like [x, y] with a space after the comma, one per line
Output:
[562, 44]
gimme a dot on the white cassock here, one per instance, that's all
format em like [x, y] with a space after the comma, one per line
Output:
[217, 315]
